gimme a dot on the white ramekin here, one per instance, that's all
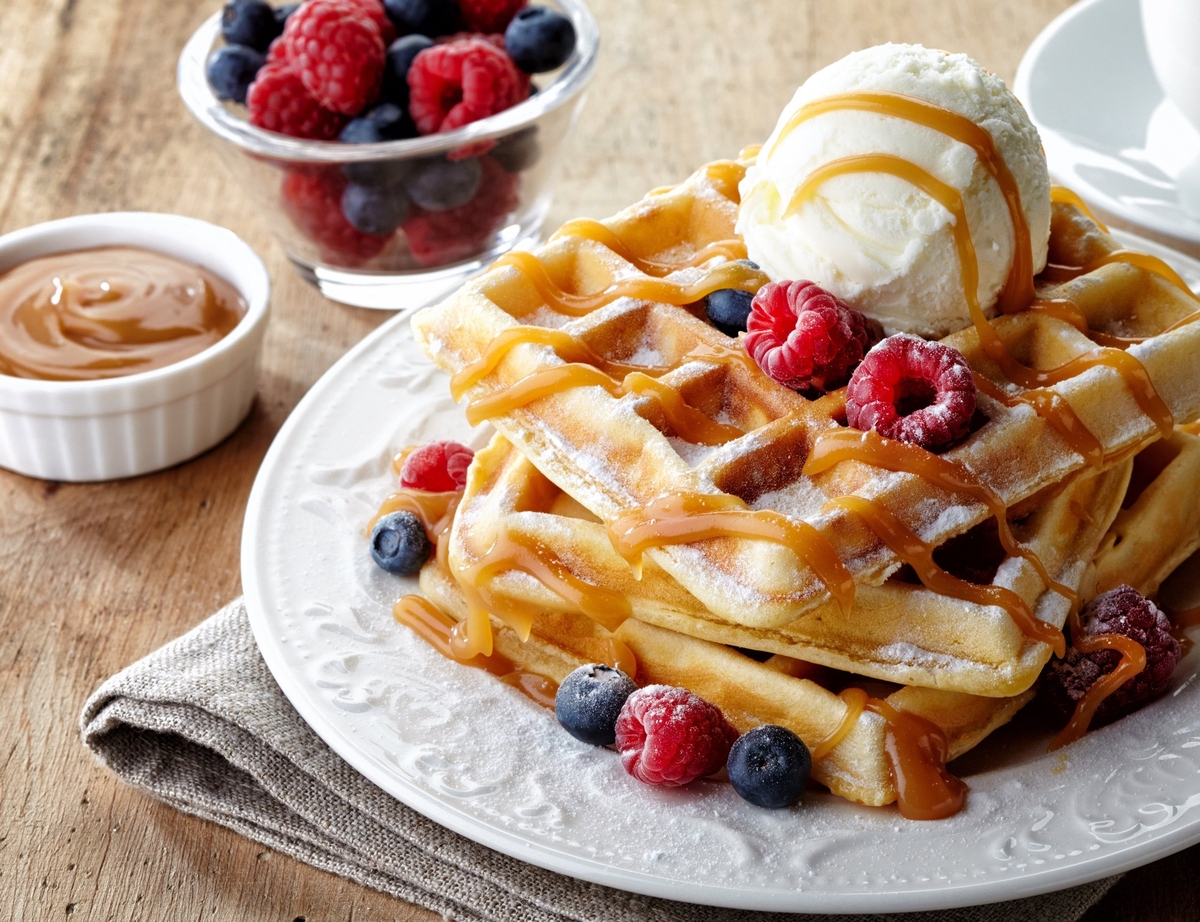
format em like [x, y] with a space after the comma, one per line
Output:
[121, 427]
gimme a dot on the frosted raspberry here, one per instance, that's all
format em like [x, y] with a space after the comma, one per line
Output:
[460, 82]
[804, 337]
[913, 390]
[489, 15]
[1119, 611]
[669, 736]
[438, 238]
[438, 467]
[279, 101]
[313, 201]
[339, 53]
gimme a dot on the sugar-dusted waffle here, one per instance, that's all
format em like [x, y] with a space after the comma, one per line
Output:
[620, 450]
[526, 548]
[847, 737]
[1158, 526]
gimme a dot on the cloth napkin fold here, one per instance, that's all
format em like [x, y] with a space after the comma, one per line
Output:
[201, 725]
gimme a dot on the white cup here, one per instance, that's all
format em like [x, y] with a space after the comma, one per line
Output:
[1172, 30]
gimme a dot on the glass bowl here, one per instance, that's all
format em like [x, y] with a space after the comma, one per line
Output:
[511, 160]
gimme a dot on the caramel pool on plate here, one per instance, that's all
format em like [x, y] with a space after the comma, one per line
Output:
[108, 312]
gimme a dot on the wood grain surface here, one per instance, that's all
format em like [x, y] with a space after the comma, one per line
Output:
[94, 577]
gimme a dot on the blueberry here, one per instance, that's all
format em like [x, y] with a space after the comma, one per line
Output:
[385, 122]
[374, 210]
[232, 69]
[251, 23]
[539, 39]
[283, 12]
[518, 151]
[728, 309]
[769, 766]
[425, 17]
[440, 184]
[399, 543]
[400, 55]
[589, 701]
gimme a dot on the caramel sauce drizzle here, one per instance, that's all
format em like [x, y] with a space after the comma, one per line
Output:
[1068, 312]
[871, 448]
[687, 422]
[1056, 273]
[1064, 196]
[727, 275]
[606, 607]
[917, 751]
[919, 555]
[1055, 409]
[1133, 372]
[1188, 617]
[1132, 662]
[731, 249]
[1018, 290]
[573, 349]
[568, 347]
[435, 510]
[436, 628]
[682, 518]
[1180, 622]
[622, 657]
[544, 383]
[855, 700]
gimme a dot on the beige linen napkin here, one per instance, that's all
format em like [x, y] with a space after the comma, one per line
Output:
[201, 725]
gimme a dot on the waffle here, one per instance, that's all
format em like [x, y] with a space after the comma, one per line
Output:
[506, 492]
[897, 632]
[1158, 526]
[748, 692]
[617, 454]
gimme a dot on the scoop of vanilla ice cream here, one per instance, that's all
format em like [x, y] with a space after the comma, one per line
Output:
[873, 239]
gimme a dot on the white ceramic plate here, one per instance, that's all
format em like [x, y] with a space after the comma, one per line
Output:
[480, 758]
[1109, 132]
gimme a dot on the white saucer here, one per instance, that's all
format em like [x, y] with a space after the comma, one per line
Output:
[1109, 132]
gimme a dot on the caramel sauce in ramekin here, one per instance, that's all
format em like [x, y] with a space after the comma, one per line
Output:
[109, 312]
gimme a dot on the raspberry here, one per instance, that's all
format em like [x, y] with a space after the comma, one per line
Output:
[495, 38]
[373, 10]
[912, 390]
[804, 337]
[438, 467]
[279, 101]
[441, 237]
[277, 53]
[489, 15]
[339, 53]
[314, 203]
[669, 736]
[460, 82]
[1119, 611]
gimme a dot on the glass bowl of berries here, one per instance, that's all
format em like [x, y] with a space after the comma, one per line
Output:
[395, 147]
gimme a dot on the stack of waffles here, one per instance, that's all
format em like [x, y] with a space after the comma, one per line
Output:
[652, 499]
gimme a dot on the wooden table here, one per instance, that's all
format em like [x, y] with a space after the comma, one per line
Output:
[93, 577]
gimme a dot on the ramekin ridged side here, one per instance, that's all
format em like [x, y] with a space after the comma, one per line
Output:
[122, 427]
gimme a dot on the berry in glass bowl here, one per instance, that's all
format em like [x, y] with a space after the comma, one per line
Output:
[395, 148]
